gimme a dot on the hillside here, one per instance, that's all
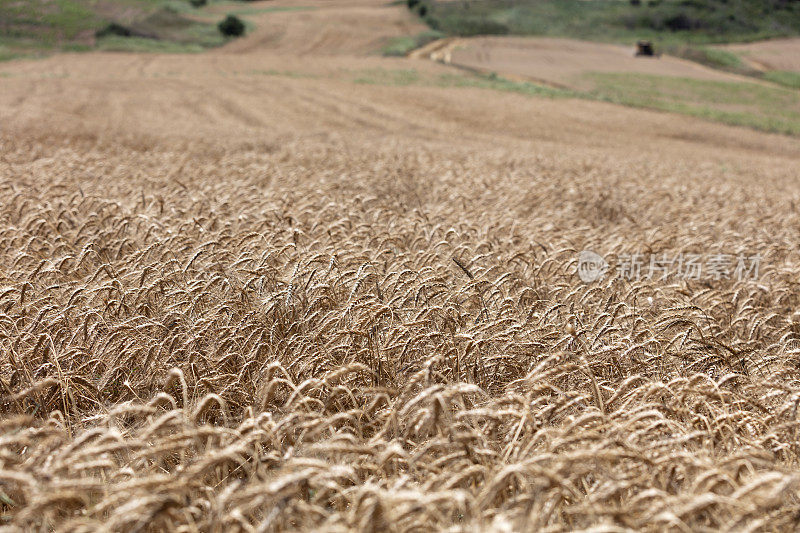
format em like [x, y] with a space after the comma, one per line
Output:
[35, 27]
[696, 21]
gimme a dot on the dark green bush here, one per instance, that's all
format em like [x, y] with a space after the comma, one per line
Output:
[477, 26]
[232, 26]
[115, 29]
[681, 22]
[118, 30]
[198, 3]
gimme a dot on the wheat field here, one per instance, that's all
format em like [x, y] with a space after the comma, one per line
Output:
[235, 317]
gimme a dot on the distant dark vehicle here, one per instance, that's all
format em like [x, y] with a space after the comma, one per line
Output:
[645, 48]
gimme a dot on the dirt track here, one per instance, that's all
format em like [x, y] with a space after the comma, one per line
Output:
[241, 292]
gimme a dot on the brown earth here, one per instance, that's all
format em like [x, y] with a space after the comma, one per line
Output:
[561, 62]
[350, 27]
[240, 292]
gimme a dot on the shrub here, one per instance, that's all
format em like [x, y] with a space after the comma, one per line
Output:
[412, 3]
[118, 30]
[114, 29]
[198, 3]
[232, 26]
[478, 26]
[681, 22]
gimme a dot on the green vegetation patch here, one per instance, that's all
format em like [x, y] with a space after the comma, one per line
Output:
[406, 77]
[381, 76]
[711, 57]
[497, 83]
[771, 109]
[139, 44]
[783, 77]
[666, 21]
[47, 21]
[38, 27]
[401, 46]
[738, 103]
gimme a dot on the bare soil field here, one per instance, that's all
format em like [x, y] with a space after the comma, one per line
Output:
[561, 62]
[774, 54]
[239, 292]
[319, 27]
